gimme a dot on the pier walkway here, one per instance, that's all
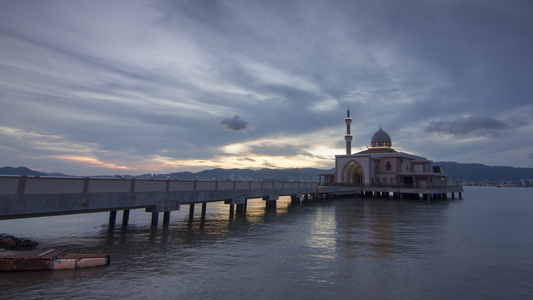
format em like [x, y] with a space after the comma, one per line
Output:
[24, 197]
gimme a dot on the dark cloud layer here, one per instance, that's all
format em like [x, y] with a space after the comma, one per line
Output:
[465, 125]
[145, 82]
[236, 124]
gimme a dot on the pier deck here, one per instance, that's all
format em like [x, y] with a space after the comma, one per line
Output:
[23, 197]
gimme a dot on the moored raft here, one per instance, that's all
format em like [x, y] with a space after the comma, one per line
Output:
[35, 260]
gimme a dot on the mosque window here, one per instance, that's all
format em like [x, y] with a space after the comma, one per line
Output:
[388, 166]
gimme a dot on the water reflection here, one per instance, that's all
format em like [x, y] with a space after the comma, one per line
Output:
[217, 224]
[379, 227]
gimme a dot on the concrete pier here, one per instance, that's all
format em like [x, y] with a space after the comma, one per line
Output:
[27, 196]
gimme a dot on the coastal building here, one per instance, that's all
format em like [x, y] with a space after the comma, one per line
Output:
[381, 170]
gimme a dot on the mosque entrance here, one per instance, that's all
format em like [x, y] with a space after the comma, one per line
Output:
[353, 174]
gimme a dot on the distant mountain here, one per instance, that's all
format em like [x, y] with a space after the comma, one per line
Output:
[21, 171]
[26, 171]
[457, 172]
[479, 172]
[305, 174]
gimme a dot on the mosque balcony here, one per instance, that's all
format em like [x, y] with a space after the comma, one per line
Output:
[414, 173]
[403, 188]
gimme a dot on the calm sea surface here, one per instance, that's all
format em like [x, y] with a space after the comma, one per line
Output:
[479, 247]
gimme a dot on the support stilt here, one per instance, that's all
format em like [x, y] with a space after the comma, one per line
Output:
[166, 218]
[112, 218]
[191, 211]
[125, 217]
[231, 210]
[204, 209]
[155, 219]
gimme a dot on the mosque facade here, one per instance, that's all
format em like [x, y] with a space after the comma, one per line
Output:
[382, 165]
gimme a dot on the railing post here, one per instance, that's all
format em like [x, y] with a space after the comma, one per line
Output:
[132, 186]
[85, 185]
[22, 185]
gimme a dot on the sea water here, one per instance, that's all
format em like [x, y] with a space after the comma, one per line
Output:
[478, 247]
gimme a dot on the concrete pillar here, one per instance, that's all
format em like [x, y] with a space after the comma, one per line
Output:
[460, 196]
[166, 218]
[191, 211]
[112, 217]
[295, 199]
[453, 195]
[125, 217]
[155, 219]
[231, 210]
[270, 203]
[204, 209]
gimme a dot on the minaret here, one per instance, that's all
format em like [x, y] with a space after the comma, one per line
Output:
[348, 137]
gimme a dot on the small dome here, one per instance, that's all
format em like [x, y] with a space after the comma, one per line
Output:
[381, 139]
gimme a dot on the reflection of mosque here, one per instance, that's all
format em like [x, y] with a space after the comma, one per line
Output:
[384, 228]
[381, 165]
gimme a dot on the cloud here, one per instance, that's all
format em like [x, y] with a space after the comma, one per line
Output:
[473, 124]
[236, 124]
[140, 85]
[91, 161]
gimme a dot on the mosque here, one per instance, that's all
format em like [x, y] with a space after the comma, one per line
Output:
[381, 169]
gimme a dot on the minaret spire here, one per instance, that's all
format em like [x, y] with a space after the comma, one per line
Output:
[348, 137]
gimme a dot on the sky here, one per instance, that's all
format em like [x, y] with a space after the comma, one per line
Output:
[95, 87]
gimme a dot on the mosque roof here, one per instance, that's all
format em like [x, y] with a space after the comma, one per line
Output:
[381, 139]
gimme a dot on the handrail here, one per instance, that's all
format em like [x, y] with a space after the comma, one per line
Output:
[22, 185]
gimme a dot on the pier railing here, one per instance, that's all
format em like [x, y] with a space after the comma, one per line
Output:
[23, 196]
[24, 185]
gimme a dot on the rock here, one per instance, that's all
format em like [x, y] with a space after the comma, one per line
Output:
[8, 243]
[11, 243]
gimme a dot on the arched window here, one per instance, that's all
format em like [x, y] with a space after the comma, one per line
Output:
[388, 166]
